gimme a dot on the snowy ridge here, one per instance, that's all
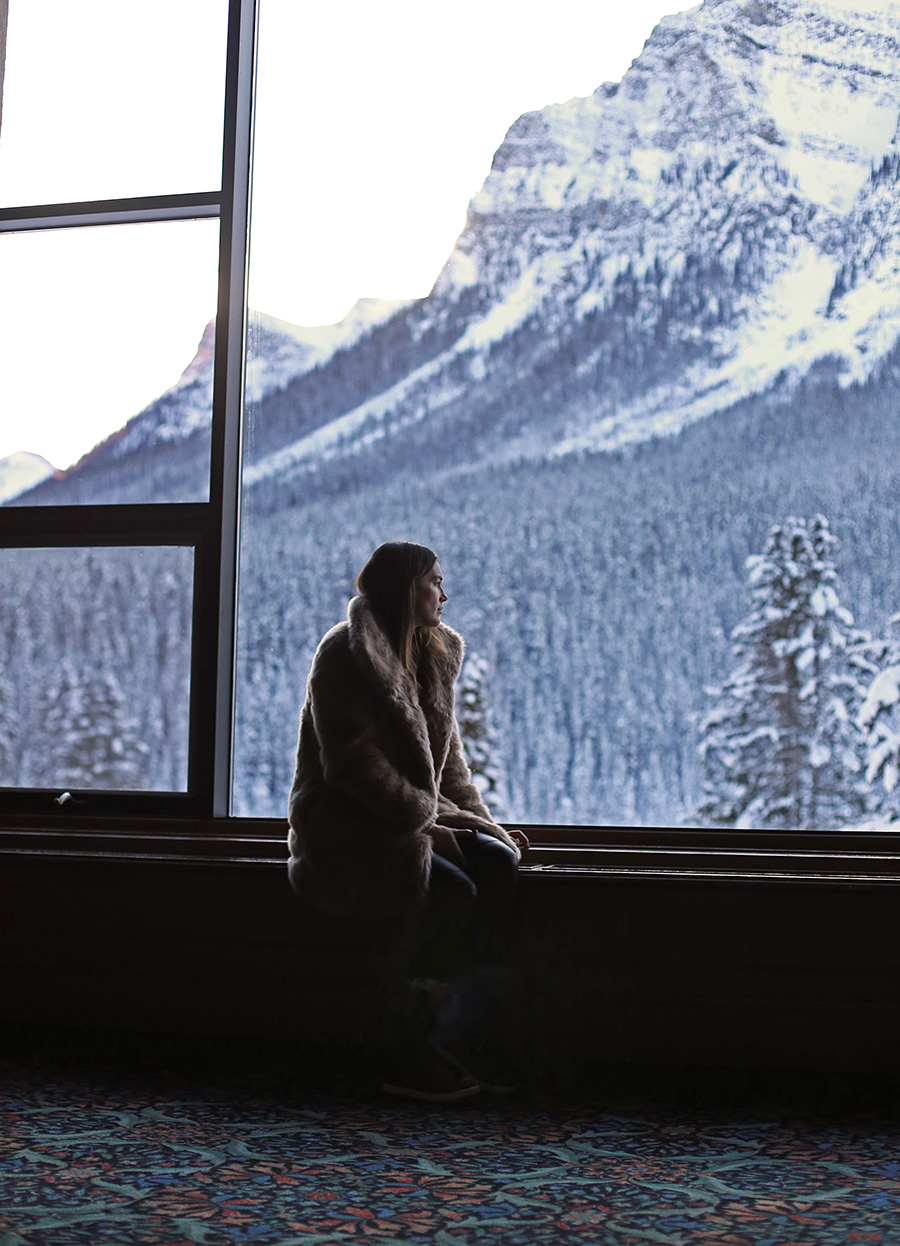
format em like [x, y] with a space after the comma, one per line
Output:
[278, 353]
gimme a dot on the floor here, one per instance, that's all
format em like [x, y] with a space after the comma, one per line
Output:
[167, 1143]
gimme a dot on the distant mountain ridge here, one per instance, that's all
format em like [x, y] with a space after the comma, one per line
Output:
[20, 472]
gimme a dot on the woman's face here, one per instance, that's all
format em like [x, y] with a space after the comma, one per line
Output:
[430, 598]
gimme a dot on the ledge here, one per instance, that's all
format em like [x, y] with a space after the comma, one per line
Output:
[562, 853]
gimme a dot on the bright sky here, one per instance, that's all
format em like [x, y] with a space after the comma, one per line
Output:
[376, 124]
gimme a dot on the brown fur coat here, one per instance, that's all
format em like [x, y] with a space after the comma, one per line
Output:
[378, 763]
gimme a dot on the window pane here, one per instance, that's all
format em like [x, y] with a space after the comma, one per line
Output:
[95, 670]
[106, 342]
[664, 343]
[105, 100]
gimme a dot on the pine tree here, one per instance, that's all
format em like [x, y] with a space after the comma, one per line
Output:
[90, 743]
[478, 735]
[879, 718]
[782, 748]
[10, 737]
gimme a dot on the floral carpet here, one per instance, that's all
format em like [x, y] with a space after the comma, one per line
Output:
[90, 1158]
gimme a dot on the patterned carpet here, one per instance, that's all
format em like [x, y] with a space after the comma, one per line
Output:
[120, 1157]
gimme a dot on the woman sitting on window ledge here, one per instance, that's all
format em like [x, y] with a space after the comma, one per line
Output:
[384, 818]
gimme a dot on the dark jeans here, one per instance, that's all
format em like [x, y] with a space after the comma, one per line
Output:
[468, 915]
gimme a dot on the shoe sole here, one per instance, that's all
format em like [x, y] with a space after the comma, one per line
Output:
[497, 1088]
[489, 1088]
[431, 1096]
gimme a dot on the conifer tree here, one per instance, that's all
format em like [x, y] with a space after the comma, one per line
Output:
[90, 741]
[879, 718]
[10, 737]
[781, 747]
[478, 735]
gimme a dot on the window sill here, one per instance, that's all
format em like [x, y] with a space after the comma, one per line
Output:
[563, 853]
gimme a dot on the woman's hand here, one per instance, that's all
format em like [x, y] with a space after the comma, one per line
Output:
[445, 845]
[521, 839]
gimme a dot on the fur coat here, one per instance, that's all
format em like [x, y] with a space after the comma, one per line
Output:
[379, 762]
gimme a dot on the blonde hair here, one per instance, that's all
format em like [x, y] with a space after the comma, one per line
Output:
[388, 581]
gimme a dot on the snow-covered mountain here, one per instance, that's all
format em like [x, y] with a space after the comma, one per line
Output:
[723, 218]
[718, 223]
[22, 471]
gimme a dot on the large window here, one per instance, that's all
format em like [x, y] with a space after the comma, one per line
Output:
[611, 326]
[660, 346]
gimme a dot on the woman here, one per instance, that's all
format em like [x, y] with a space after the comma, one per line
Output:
[384, 818]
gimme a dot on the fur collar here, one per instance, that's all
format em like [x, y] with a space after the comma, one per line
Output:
[375, 654]
[429, 717]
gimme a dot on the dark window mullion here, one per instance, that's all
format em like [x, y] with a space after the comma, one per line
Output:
[225, 458]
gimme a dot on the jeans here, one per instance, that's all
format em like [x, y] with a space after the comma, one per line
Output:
[468, 915]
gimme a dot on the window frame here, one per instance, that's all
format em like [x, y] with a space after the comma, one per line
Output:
[210, 528]
[179, 829]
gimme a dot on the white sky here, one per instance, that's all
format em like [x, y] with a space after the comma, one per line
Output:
[376, 124]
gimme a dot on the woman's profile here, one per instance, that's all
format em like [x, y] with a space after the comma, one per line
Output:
[385, 820]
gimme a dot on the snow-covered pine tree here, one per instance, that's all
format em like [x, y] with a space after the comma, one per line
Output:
[782, 748]
[479, 738]
[879, 718]
[89, 740]
[10, 737]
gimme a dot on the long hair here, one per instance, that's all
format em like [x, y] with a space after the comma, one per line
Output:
[388, 582]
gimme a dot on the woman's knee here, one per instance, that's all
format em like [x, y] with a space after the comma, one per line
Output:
[492, 862]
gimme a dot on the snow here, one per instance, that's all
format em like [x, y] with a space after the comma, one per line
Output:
[786, 331]
[21, 471]
[884, 692]
[516, 306]
[823, 600]
[461, 270]
[307, 346]
[833, 127]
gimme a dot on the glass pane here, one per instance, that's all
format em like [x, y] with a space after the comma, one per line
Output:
[95, 669]
[105, 100]
[106, 341]
[664, 343]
